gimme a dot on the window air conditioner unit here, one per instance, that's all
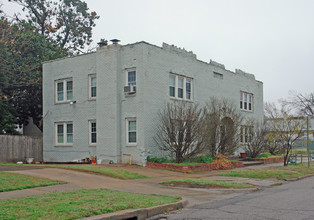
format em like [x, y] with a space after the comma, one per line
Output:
[129, 89]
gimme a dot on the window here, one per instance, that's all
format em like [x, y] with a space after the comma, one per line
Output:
[180, 87]
[218, 75]
[188, 83]
[172, 85]
[246, 134]
[64, 90]
[92, 132]
[131, 131]
[64, 133]
[92, 86]
[131, 77]
[246, 101]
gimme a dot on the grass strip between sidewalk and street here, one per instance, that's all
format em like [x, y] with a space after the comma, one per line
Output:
[14, 181]
[280, 173]
[114, 173]
[78, 204]
[213, 183]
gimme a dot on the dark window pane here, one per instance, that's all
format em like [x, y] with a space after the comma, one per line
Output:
[172, 91]
[93, 92]
[94, 136]
[132, 137]
[60, 87]
[180, 93]
[69, 85]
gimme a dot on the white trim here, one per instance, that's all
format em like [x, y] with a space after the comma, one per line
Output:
[64, 84]
[64, 124]
[127, 74]
[127, 132]
[90, 76]
[176, 87]
[247, 96]
[90, 132]
[245, 132]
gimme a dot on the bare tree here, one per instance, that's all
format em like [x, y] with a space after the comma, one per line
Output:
[222, 121]
[257, 137]
[274, 146]
[284, 128]
[303, 103]
[180, 131]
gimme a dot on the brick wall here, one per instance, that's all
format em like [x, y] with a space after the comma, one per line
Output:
[198, 167]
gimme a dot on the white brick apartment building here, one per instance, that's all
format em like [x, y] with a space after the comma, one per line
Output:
[105, 103]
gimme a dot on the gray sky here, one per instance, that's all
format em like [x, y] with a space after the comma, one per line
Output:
[273, 39]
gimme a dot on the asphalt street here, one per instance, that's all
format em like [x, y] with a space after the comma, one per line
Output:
[293, 200]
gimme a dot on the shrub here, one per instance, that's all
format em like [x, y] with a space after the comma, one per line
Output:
[206, 159]
[222, 162]
[157, 159]
[265, 155]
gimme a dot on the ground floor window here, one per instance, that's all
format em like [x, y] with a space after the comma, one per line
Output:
[92, 132]
[131, 131]
[245, 134]
[64, 133]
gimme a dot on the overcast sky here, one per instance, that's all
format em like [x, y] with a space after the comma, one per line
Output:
[272, 39]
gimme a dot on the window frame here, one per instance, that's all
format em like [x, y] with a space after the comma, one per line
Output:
[246, 101]
[64, 133]
[127, 71]
[218, 75]
[90, 132]
[90, 77]
[177, 88]
[128, 132]
[245, 134]
[65, 90]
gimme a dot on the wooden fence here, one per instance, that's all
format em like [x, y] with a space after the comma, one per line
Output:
[18, 148]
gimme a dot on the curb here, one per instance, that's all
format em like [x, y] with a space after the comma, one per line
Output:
[139, 213]
[299, 178]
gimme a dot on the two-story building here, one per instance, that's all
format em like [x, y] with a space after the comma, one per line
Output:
[106, 103]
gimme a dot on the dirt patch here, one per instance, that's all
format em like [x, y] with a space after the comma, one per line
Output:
[16, 168]
[193, 185]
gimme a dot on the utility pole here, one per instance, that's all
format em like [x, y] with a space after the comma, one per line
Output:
[307, 141]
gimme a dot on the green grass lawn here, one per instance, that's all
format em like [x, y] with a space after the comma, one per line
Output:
[214, 183]
[14, 181]
[78, 204]
[120, 174]
[263, 174]
[280, 173]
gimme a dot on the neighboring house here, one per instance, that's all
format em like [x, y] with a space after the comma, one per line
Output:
[31, 129]
[106, 103]
[301, 142]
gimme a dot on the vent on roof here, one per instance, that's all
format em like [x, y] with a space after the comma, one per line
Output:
[115, 41]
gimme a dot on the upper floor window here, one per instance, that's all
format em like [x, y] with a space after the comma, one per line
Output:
[131, 77]
[92, 132]
[64, 90]
[180, 87]
[246, 101]
[64, 133]
[172, 86]
[188, 86]
[218, 75]
[92, 86]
